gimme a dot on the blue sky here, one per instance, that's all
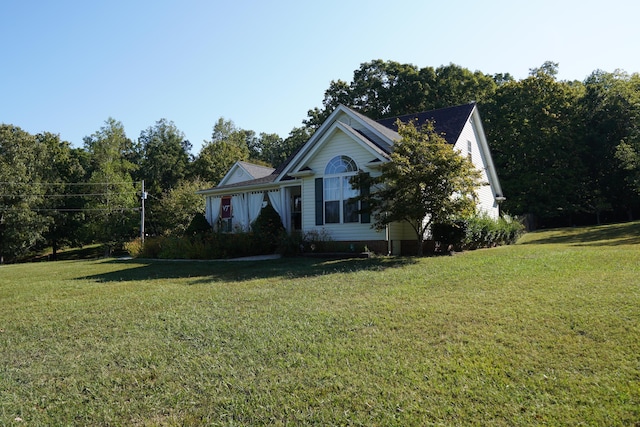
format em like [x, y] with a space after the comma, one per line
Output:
[69, 65]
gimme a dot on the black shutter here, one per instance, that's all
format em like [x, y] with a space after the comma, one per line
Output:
[365, 215]
[319, 201]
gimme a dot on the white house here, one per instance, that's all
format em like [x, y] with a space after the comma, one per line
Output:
[311, 189]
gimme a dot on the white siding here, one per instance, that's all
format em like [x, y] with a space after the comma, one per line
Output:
[238, 175]
[486, 195]
[336, 144]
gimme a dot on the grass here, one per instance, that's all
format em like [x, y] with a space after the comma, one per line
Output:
[545, 332]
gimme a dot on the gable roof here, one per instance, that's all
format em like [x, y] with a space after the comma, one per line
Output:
[256, 171]
[447, 121]
[378, 135]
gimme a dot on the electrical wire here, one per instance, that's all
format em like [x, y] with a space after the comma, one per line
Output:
[63, 195]
[69, 183]
[118, 209]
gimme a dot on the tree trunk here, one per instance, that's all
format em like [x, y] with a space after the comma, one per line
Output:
[420, 242]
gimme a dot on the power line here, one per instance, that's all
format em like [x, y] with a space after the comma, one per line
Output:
[70, 183]
[133, 191]
[110, 194]
[63, 195]
[117, 209]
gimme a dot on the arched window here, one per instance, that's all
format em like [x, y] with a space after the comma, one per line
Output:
[339, 203]
[340, 164]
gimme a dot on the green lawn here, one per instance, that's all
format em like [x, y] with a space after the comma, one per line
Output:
[545, 332]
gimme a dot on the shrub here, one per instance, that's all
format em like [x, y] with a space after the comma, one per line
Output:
[134, 247]
[152, 247]
[480, 231]
[290, 244]
[317, 241]
[267, 230]
[199, 226]
[483, 231]
[450, 234]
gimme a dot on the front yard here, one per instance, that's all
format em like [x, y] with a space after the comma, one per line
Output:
[543, 332]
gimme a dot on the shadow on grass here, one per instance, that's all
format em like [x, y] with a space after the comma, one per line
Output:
[208, 271]
[74, 254]
[604, 235]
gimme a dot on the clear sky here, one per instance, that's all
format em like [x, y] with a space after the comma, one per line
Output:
[66, 66]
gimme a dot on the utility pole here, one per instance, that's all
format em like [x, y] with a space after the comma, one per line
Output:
[143, 197]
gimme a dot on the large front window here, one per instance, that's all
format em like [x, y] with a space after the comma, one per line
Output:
[339, 196]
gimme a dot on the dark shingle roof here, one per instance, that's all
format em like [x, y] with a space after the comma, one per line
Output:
[264, 180]
[256, 171]
[448, 121]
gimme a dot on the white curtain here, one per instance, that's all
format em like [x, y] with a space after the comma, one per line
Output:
[212, 210]
[280, 203]
[254, 203]
[240, 214]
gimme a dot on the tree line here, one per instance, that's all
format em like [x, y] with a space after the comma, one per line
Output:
[55, 195]
[566, 152]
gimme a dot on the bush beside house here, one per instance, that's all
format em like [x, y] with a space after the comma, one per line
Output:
[268, 236]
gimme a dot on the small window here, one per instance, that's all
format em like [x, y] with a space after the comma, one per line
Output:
[469, 151]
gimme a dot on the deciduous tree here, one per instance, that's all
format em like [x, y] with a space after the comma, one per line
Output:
[532, 127]
[61, 169]
[113, 205]
[424, 182]
[228, 145]
[21, 227]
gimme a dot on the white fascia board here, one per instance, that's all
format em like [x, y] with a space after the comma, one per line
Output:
[239, 189]
[491, 169]
[329, 125]
[338, 126]
[310, 143]
[365, 143]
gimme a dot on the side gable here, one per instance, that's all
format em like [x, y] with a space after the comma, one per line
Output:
[244, 171]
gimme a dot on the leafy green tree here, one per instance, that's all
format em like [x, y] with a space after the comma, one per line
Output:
[425, 182]
[339, 92]
[63, 202]
[274, 150]
[296, 139]
[179, 206]
[113, 205]
[268, 149]
[532, 126]
[165, 160]
[610, 110]
[382, 89]
[228, 145]
[21, 227]
[165, 156]
[628, 153]
[454, 85]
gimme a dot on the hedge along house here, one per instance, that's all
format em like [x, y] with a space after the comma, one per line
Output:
[311, 190]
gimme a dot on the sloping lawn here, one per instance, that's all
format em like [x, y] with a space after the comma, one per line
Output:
[545, 332]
